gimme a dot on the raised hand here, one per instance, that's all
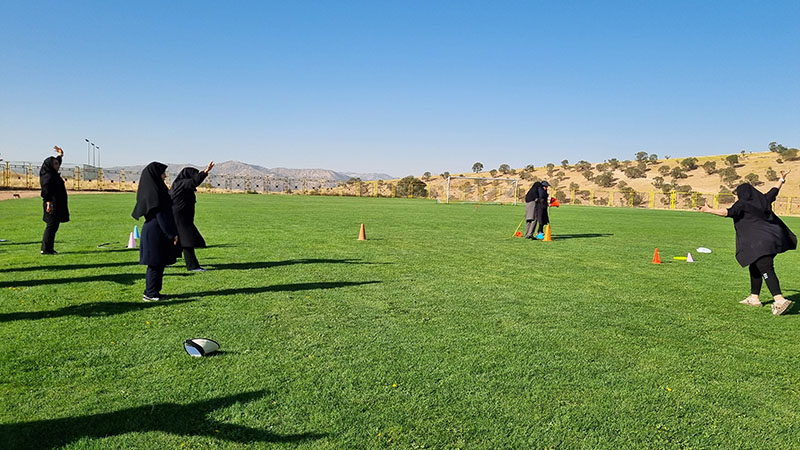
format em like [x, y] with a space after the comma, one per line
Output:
[209, 167]
[61, 152]
[784, 173]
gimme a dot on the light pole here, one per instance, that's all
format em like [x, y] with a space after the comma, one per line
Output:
[93, 150]
[88, 152]
[98, 156]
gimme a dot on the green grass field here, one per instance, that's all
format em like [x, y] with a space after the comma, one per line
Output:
[440, 331]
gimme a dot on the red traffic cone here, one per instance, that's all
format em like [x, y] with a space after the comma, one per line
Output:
[362, 233]
[656, 258]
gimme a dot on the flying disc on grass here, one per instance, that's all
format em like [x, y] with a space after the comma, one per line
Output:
[200, 346]
[703, 250]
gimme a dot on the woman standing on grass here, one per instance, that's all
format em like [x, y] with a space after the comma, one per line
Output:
[183, 201]
[159, 236]
[530, 210]
[760, 235]
[54, 200]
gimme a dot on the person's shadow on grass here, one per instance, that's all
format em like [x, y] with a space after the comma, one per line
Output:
[182, 420]
[91, 309]
[580, 236]
[53, 267]
[288, 262]
[276, 288]
[128, 279]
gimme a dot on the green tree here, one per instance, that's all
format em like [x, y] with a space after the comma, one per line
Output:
[477, 167]
[771, 174]
[411, 186]
[426, 176]
[504, 168]
[658, 182]
[614, 163]
[564, 163]
[605, 179]
[530, 168]
[445, 174]
[689, 163]
[677, 173]
[550, 168]
[583, 166]
[753, 179]
[493, 172]
[732, 160]
[641, 156]
[634, 172]
[653, 159]
[710, 167]
[664, 170]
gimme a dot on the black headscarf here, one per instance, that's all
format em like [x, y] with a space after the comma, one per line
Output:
[182, 190]
[152, 194]
[53, 189]
[752, 200]
[533, 192]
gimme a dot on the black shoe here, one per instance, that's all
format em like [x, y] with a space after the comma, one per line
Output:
[151, 299]
[53, 252]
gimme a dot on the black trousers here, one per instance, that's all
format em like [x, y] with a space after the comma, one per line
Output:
[49, 237]
[190, 258]
[153, 280]
[763, 268]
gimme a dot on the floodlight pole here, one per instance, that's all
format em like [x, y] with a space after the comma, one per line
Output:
[447, 201]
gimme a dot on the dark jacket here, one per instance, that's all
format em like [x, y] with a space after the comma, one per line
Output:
[183, 206]
[759, 232]
[159, 231]
[54, 191]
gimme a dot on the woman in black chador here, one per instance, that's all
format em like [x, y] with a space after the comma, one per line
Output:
[530, 210]
[159, 236]
[760, 235]
[54, 200]
[536, 209]
[183, 201]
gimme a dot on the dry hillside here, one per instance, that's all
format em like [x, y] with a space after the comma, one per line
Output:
[698, 179]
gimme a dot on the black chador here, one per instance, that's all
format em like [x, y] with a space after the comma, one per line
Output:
[183, 206]
[158, 247]
[54, 194]
[759, 232]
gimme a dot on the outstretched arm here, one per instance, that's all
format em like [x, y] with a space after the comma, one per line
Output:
[782, 179]
[707, 209]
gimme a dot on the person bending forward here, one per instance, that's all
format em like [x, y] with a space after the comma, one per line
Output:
[760, 236]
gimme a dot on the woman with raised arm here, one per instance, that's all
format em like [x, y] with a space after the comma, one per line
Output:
[159, 235]
[530, 210]
[760, 235]
[54, 200]
[183, 201]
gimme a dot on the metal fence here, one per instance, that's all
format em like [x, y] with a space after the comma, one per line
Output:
[88, 178]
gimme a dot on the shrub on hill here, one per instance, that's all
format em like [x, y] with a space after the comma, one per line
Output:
[677, 173]
[634, 172]
[732, 160]
[771, 174]
[564, 163]
[689, 163]
[710, 167]
[753, 179]
[605, 179]
[411, 186]
[664, 170]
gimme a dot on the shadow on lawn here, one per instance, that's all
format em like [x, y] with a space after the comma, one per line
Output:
[288, 262]
[72, 266]
[182, 420]
[276, 288]
[91, 309]
[20, 243]
[120, 278]
[580, 236]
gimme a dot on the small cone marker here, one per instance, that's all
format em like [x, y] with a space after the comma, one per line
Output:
[656, 258]
[689, 257]
[362, 233]
[131, 241]
[547, 234]
[136, 232]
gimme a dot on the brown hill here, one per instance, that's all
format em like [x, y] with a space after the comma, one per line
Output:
[697, 179]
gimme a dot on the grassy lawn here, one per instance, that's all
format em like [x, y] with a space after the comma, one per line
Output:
[440, 331]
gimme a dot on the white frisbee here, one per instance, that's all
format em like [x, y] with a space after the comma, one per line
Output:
[703, 250]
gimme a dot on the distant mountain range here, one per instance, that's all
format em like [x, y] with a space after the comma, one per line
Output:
[240, 169]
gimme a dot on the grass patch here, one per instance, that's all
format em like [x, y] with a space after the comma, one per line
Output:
[440, 331]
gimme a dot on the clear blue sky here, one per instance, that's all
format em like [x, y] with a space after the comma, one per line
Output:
[400, 87]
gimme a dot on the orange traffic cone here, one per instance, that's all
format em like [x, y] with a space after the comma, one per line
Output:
[547, 234]
[656, 258]
[362, 234]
